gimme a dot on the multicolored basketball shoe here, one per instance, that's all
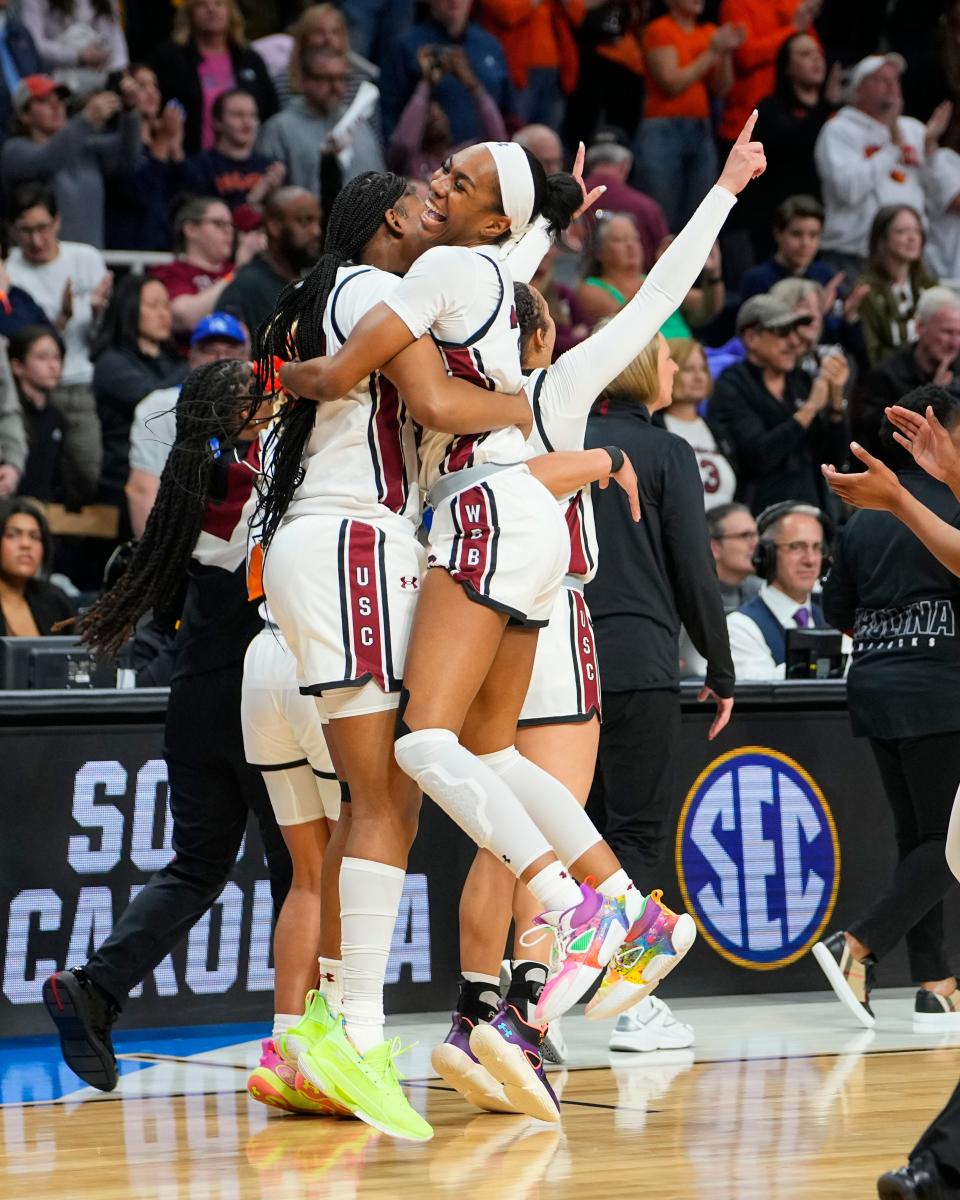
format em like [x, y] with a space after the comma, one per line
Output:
[316, 1022]
[457, 1065]
[272, 1083]
[587, 937]
[511, 1051]
[368, 1084]
[657, 941]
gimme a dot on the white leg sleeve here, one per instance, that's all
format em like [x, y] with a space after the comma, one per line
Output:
[472, 796]
[553, 808]
[953, 838]
[370, 894]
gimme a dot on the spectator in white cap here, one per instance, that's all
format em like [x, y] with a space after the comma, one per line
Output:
[871, 155]
[154, 427]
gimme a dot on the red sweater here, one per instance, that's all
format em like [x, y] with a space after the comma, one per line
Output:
[768, 24]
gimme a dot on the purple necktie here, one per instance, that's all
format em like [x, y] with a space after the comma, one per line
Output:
[802, 617]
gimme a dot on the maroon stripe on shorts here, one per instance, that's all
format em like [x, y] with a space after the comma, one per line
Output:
[366, 604]
[586, 655]
[472, 516]
[578, 549]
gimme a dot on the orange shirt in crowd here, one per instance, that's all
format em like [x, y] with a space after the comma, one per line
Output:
[768, 24]
[693, 101]
[534, 35]
[625, 51]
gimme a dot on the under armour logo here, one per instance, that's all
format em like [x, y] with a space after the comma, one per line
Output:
[409, 581]
[505, 859]
[328, 977]
[564, 875]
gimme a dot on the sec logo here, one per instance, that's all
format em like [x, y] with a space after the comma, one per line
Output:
[758, 858]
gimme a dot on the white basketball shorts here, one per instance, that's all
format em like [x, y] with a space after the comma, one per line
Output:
[565, 685]
[344, 591]
[505, 540]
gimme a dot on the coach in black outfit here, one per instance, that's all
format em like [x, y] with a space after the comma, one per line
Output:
[903, 608]
[653, 576]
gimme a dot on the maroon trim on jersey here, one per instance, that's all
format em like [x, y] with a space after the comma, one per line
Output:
[222, 517]
[464, 363]
[579, 551]
[364, 599]
[385, 438]
[584, 655]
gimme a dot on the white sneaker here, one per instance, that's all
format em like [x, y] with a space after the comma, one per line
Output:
[650, 1025]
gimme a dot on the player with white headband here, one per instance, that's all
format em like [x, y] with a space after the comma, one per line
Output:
[502, 549]
[560, 719]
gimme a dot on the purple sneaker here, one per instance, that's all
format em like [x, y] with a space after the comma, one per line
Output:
[455, 1063]
[510, 1050]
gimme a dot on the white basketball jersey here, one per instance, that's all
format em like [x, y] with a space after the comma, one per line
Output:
[361, 459]
[560, 423]
[463, 296]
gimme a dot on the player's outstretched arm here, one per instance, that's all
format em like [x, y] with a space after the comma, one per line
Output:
[566, 471]
[377, 338]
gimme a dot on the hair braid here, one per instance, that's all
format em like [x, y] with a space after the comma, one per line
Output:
[296, 331]
[215, 403]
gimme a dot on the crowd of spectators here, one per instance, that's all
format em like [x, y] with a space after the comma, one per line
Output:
[164, 171]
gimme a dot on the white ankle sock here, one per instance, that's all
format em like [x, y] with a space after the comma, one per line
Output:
[479, 977]
[555, 890]
[553, 808]
[472, 796]
[284, 1021]
[620, 884]
[370, 895]
[331, 982]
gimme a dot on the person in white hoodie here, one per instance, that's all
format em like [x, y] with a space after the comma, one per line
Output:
[870, 155]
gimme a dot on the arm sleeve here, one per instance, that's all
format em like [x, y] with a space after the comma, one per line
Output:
[839, 597]
[525, 255]
[691, 567]
[844, 167]
[580, 375]
[53, 51]
[24, 159]
[440, 282]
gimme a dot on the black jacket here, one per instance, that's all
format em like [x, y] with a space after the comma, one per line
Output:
[48, 605]
[901, 606]
[777, 458]
[887, 383]
[658, 573]
[176, 68]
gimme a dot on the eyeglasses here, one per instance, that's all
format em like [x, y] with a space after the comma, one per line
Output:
[748, 535]
[800, 547]
[219, 222]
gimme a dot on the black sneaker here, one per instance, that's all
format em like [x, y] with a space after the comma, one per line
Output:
[933, 1011]
[851, 979]
[83, 1016]
[919, 1180]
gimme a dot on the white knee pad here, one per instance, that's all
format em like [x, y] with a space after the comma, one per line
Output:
[436, 761]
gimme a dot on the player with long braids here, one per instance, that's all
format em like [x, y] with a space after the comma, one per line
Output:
[560, 719]
[502, 547]
[342, 568]
[189, 563]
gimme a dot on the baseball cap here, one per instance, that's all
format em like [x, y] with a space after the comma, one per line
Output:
[872, 63]
[218, 325]
[767, 312]
[36, 87]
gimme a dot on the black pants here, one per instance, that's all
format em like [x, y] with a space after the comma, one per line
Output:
[634, 783]
[212, 792]
[920, 776]
[942, 1141]
[607, 93]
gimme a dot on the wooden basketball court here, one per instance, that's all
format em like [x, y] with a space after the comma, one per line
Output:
[782, 1098]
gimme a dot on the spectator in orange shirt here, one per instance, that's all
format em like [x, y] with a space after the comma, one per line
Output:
[686, 63]
[768, 24]
[537, 38]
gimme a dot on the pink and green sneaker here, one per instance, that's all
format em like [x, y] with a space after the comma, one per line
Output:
[273, 1082]
[587, 937]
[657, 941]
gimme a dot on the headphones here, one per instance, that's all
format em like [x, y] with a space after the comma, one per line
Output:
[765, 553]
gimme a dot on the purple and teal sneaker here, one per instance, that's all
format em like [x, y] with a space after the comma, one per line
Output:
[457, 1065]
[510, 1050]
[587, 937]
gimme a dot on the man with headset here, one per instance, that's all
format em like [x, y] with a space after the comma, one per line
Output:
[789, 558]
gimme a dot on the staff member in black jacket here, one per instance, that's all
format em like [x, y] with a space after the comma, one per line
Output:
[903, 607]
[652, 576]
[780, 425]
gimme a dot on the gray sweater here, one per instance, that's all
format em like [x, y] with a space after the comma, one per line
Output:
[75, 161]
[296, 136]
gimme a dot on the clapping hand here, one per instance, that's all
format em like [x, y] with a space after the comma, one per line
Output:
[877, 487]
[926, 440]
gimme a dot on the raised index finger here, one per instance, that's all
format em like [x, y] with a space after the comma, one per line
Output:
[746, 133]
[577, 171]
